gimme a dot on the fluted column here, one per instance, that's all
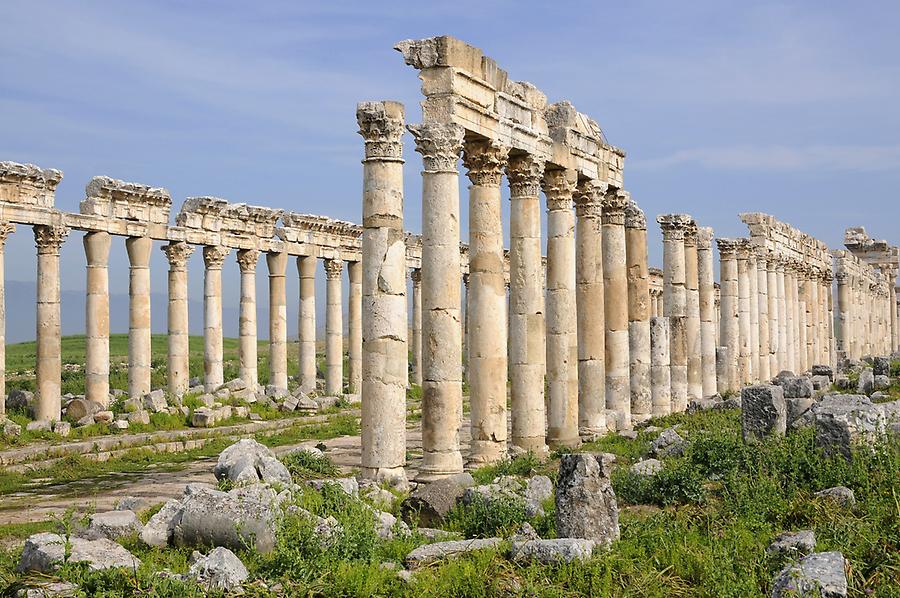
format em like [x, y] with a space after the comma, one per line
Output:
[706, 289]
[440, 145]
[486, 302]
[526, 305]
[562, 403]
[247, 333]
[96, 364]
[772, 309]
[6, 229]
[306, 268]
[674, 289]
[48, 239]
[139, 350]
[745, 359]
[276, 263]
[354, 316]
[763, 317]
[213, 259]
[729, 314]
[590, 316]
[692, 314]
[783, 314]
[334, 328]
[660, 377]
[177, 321]
[638, 312]
[615, 304]
[384, 309]
[416, 277]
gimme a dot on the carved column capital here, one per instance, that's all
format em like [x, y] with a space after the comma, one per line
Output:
[214, 256]
[634, 216]
[247, 260]
[524, 173]
[705, 236]
[381, 126]
[333, 269]
[49, 238]
[614, 203]
[485, 160]
[416, 276]
[6, 228]
[439, 145]
[177, 253]
[589, 198]
[727, 247]
[559, 186]
[675, 227]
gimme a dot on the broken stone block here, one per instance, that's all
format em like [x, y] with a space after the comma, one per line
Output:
[155, 401]
[881, 366]
[429, 504]
[840, 495]
[866, 384]
[41, 425]
[820, 574]
[585, 501]
[843, 382]
[763, 412]
[349, 485]
[234, 385]
[220, 570]
[112, 525]
[203, 417]
[793, 544]
[139, 417]
[158, 531]
[11, 428]
[439, 551]
[821, 383]
[290, 404]
[79, 408]
[235, 520]
[248, 461]
[823, 370]
[20, 400]
[104, 417]
[797, 387]
[62, 428]
[882, 382]
[795, 408]
[549, 552]
[119, 424]
[668, 444]
[847, 420]
[647, 467]
[45, 552]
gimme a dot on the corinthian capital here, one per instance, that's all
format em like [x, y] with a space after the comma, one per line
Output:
[439, 145]
[727, 247]
[524, 173]
[485, 160]
[704, 237]
[6, 228]
[177, 254]
[674, 226]
[381, 126]
[614, 203]
[634, 216]
[49, 238]
[559, 185]
[589, 197]
[247, 260]
[214, 256]
[333, 269]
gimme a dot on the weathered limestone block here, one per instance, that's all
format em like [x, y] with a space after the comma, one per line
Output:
[845, 421]
[230, 519]
[158, 531]
[220, 570]
[45, 552]
[647, 467]
[823, 370]
[585, 501]
[866, 384]
[820, 574]
[763, 412]
[28, 184]
[668, 444]
[440, 551]
[248, 461]
[112, 525]
[549, 552]
[348, 486]
[797, 387]
[79, 408]
[840, 495]
[793, 544]
[112, 198]
[881, 366]
[430, 503]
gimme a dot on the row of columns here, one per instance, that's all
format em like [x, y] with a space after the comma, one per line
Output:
[864, 316]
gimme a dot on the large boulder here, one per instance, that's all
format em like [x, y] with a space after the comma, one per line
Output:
[155, 401]
[882, 382]
[668, 444]
[439, 551]
[823, 370]
[45, 552]
[763, 412]
[220, 570]
[20, 400]
[797, 387]
[821, 574]
[866, 384]
[846, 420]
[585, 501]
[538, 489]
[881, 366]
[429, 504]
[112, 525]
[235, 519]
[795, 410]
[547, 552]
[158, 531]
[249, 462]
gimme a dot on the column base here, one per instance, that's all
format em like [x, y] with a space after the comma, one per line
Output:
[534, 445]
[436, 466]
[563, 439]
[639, 418]
[591, 434]
[485, 452]
[395, 477]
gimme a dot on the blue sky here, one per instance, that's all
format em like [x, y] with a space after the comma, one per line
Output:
[783, 107]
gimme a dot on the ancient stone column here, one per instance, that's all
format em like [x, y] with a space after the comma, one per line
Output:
[247, 354]
[416, 277]
[139, 349]
[729, 314]
[895, 324]
[306, 268]
[213, 259]
[813, 325]
[706, 289]
[334, 328]
[763, 317]
[486, 303]
[384, 309]
[803, 299]
[48, 239]
[783, 313]
[660, 378]
[6, 229]
[843, 320]
[790, 301]
[562, 399]
[774, 323]
[673, 229]
[829, 310]
[638, 312]
[440, 145]
[692, 311]
[745, 359]
[276, 262]
[754, 314]
[354, 315]
[615, 304]
[96, 365]
[590, 316]
[177, 321]
[526, 305]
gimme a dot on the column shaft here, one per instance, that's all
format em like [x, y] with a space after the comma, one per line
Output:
[213, 258]
[675, 292]
[139, 349]
[5, 229]
[745, 365]
[707, 298]
[783, 314]
[729, 315]
[96, 365]
[334, 328]
[416, 276]
[276, 262]
[774, 317]
[177, 320]
[615, 304]
[354, 315]
[638, 313]
[661, 382]
[763, 317]
[48, 371]
[306, 267]
[247, 333]
[692, 312]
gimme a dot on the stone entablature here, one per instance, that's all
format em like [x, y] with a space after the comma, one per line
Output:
[786, 242]
[112, 198]
[28, 184]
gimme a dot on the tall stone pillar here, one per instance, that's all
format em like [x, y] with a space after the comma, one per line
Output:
[692, 311]
[615, 306]
[384, 309]
[774, 323]
[526, 305]
[486, 303]
[178, 332]
[354, 315]
[590, 312]
[829, 307]
[754, 314]
[706, 289]
[562, 403]
[276, 262]
[247, 354]
[139, 349]
[763, 317]
[843, 319]
[48, 373]
[213, 259]
[96, 364]
[660, 377]
[804, 299]
[334, 328]
[729, 314]
[5, 229]
[745, 365]
[638, 312]
[416, 277]
[306, 268]
[783, 314]
[813, 324]
[895, 324]
[440, 145]
[674, 290]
